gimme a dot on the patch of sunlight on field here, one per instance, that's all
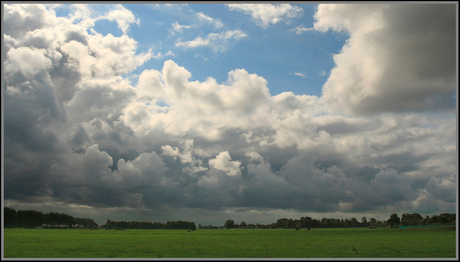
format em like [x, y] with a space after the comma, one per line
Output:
[233, 243]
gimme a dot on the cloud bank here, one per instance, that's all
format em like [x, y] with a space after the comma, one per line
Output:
[399, 57]
[77, 132]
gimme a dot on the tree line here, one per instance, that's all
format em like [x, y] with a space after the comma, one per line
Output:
[149, 225]
[32, 218]
[414, 219]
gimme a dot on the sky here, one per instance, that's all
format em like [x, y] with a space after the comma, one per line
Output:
[251, 112]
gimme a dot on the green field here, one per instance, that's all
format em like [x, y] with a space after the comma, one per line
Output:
[434, 242]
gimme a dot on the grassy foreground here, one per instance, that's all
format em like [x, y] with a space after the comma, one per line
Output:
[434, 242]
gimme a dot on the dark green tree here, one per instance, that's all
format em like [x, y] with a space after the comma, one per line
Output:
[447, 219]
[285, 223]
[86, 222]
[354, 222]
[229, 223]
[394, 220]
[411, 219]
[10, 217]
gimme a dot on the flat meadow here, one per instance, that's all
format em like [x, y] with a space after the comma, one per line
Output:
[428, 242]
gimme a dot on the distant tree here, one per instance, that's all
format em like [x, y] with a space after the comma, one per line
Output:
[30, 218]
[180, 225]
[354, 222]
[86, 222]
[323, 222]
[10, 217]
[108, 224]
[298, 223]
[426, 220]
[53, 218]
[363, 221]
[372, 221]
[347, 222]
[67, 220]
[243, 224]
[327, 222]
[411, 219]
[229, 223]
[337, 222]
[285, 223]
[305, 222]
[447, 219]
[404, 220]
[394, 220]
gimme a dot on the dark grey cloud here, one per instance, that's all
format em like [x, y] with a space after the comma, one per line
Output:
[76, 36]
[401, 59]
[64, 79]
[28, 123]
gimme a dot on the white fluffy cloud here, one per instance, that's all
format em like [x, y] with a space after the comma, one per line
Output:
[147, 168]
[266, 14]
[118, 52]
[27, 61]
[224, 162]
[22, 19]
[123, 17]
[198, 107]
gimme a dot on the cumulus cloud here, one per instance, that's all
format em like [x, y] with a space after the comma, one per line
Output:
[119, 55]
[123, 17]
[397, 58]
[27, 61]
[147, 168]
[224, 162]
[78, 132]
[266, 14]
[199, 107]
[186, 157]
[21, 19]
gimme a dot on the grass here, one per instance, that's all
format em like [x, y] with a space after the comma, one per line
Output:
[240, 243]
